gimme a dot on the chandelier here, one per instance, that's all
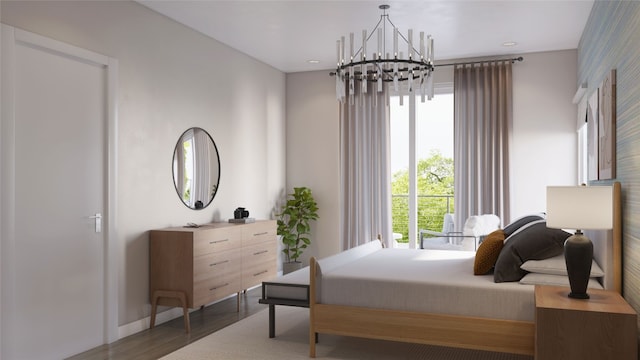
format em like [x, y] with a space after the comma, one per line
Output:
[415, 71]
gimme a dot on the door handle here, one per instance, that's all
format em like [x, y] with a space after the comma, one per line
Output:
[98, 218]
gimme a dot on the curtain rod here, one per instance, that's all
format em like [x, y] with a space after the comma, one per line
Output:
[520, 58]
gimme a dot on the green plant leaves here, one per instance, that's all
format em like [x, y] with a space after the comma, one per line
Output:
[294, 222]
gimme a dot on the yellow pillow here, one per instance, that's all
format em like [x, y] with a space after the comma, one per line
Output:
[487, 253]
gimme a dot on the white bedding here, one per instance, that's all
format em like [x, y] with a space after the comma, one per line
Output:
[432, 281]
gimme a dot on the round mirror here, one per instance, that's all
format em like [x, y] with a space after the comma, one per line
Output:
[196, 168]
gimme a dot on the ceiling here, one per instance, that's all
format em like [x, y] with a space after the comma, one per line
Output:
[287, 34]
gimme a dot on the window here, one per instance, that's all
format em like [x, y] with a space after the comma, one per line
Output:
[431, 155]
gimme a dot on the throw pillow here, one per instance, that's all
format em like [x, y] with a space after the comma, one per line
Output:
[520, 222]
[488, 252]
[534, 241]
[556, 266]
[554, 280]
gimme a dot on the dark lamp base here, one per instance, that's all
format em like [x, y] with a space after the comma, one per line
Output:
[578, 254]
[578, 296]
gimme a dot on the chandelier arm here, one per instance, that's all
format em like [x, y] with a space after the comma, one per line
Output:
[368, 37]
[403, 38]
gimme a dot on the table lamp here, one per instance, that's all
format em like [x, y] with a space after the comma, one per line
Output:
[579, 208]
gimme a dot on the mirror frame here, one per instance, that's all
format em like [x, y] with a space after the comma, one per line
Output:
[174, 166]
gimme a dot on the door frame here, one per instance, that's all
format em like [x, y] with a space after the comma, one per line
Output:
[10, 36]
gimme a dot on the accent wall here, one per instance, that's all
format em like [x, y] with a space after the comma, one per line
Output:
[611, 40]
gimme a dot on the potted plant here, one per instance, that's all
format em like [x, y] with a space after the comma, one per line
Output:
[294, 226]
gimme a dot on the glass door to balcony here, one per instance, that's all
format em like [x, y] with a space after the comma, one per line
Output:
[421, 165]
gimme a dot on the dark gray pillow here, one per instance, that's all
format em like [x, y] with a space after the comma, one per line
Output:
[534, 241]
[520, 222]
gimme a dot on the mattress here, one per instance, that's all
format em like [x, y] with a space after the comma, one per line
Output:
[432, 281]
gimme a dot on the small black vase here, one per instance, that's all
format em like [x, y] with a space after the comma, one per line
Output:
[578, 254]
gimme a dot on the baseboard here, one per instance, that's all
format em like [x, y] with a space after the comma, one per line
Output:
[144, 323]
[162, 317]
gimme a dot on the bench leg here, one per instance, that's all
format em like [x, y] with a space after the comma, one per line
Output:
[272, 321]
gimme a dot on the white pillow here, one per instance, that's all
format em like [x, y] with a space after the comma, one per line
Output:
[554, 280]
[556, 266]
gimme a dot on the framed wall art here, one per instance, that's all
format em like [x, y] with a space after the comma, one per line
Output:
[607, 128]
[592, 136]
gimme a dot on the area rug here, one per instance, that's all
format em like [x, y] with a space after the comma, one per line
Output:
[248, 339]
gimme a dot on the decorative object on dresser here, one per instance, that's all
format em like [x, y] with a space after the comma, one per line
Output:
[192, 267]
[241, 216]
[294, 225]
[580, 208]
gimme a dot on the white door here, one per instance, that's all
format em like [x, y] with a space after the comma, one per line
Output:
[54, 295]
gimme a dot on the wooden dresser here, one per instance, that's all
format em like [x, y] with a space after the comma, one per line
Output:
[209, 263]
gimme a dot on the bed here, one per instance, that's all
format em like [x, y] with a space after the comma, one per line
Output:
[360, 297]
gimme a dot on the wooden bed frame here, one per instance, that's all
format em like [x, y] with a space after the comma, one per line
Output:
[508, 336]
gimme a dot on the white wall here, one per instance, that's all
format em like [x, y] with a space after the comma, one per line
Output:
[313, 153]
[543, 145]
[545, 142]
[172, 78]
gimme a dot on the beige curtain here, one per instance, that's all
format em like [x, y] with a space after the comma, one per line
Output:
[365, 168]
[482, 122]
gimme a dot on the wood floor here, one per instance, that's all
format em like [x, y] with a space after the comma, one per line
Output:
[170, 336]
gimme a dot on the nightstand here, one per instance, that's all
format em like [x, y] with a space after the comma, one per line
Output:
[602, 327]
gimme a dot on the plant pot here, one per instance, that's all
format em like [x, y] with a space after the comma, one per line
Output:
[291, 267]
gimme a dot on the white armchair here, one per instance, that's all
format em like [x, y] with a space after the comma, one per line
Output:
[475, 229]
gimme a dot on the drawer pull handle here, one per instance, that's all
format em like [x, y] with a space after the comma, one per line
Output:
[218, 241]
[261, 272]
[261, 233]
[219, 263]
[260, 252]
[218, 287]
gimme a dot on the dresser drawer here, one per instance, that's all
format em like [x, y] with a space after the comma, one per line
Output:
[212, 240]
[262, 252]
[257, 273]
[216, 264]
[209, 290]
[261, 231]
[258, 263]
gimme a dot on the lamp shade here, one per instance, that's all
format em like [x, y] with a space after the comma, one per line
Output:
[580, 207]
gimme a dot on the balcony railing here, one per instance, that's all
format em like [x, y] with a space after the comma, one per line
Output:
[431, 210]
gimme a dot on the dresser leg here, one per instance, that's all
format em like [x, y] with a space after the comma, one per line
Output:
[180, 296]
[154, 308]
